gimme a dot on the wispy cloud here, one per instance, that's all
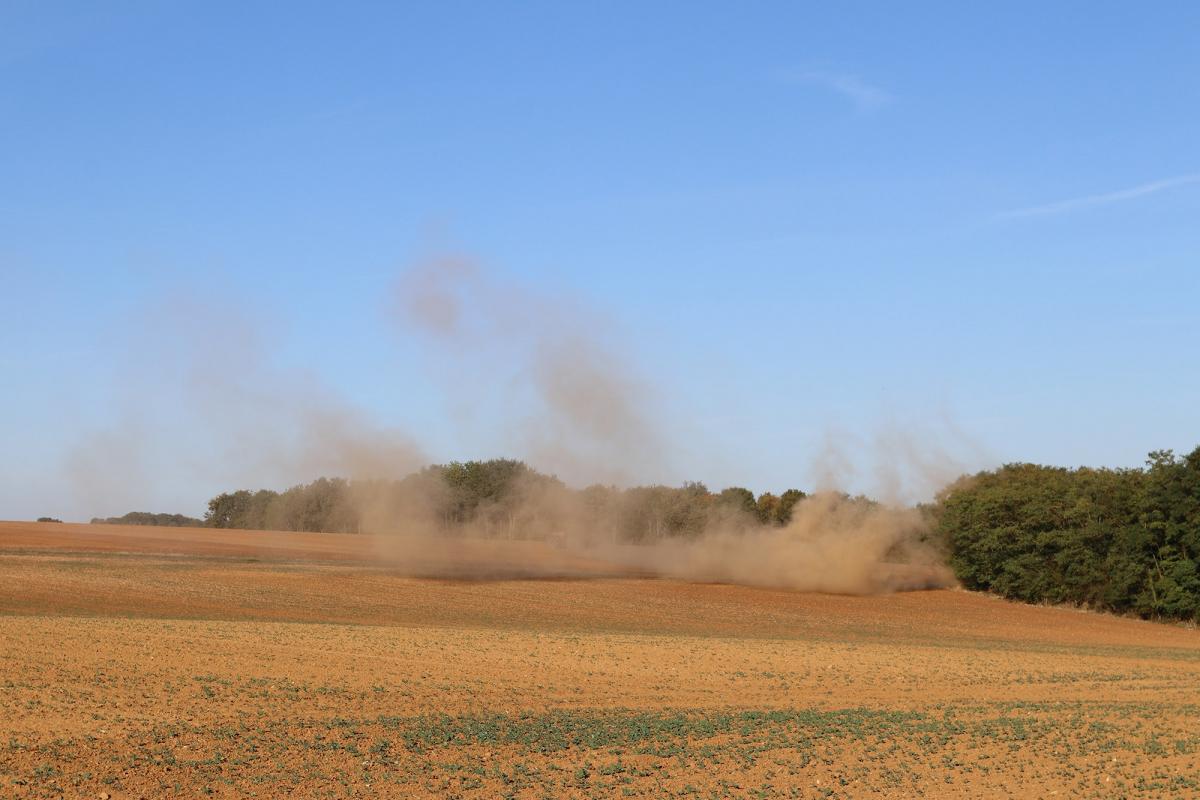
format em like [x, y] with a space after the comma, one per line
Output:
[1106, 198]
[864, 96]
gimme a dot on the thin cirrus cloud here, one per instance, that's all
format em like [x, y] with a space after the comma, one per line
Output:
[865, 97]
[1103, 199]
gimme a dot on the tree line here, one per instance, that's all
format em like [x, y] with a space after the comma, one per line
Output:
[1122, 540]
[145, 518]
[498, 497]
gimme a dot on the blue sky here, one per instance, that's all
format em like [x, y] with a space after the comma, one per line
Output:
[798, 223]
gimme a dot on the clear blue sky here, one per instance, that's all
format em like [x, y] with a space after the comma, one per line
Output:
[801, 218]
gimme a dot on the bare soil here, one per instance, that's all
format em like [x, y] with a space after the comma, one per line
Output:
[162, 662]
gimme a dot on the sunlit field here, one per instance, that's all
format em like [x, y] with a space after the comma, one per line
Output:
[153, 662]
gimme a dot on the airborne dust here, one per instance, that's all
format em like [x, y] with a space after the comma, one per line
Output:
[576, 408]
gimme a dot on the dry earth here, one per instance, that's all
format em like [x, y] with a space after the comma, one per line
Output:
[152, 662]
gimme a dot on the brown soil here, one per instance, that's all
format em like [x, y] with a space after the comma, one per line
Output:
[152, 662]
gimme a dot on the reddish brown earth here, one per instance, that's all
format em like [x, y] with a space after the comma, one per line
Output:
[156, 662]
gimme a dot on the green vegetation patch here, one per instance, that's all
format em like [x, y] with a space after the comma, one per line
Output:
[561, 730]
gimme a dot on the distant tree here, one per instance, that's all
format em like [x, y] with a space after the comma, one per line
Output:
[687, 510]
[473, 484]
[738, 499]
[787, 502]
[321, 506]
[229, 509]
[766, 508]
[48, 519]
[651, 513]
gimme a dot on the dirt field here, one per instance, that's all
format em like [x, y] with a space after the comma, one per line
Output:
[152, 662]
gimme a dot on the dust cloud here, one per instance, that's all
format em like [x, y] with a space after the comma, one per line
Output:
[579, 407]
[832, 544]
[575, 406]
[201, 400]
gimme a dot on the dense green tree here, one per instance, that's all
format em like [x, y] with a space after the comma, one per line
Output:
[1171, 516]
[1124, 540]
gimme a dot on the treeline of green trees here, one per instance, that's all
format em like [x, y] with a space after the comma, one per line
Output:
[147, 518]
[499, 497]
[1124, 540]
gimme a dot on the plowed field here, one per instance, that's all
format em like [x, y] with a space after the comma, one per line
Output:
[156, 662]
